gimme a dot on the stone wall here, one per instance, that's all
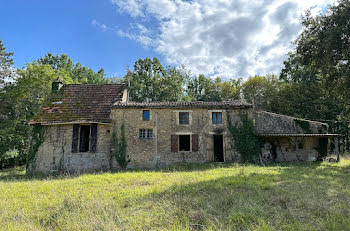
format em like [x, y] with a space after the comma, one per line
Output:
[56, 151]
[292, 149]
[150, 153]
[271, 123]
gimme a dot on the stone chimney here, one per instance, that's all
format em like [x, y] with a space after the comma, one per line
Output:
[125, 98]
[57, 85]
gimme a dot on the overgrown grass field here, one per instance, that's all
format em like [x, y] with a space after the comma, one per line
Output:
[308, 196]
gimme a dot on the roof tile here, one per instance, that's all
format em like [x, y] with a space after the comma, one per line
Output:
[197, 104]
[81, 102]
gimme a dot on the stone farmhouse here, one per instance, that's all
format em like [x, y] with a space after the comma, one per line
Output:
[80, 119]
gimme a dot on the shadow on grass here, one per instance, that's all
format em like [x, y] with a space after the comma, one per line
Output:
[18, 173]
[304, 195]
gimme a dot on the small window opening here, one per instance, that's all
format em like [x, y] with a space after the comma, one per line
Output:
[299, 144]
[145, 133]
[184, 118]
[217, 117]
[145, 115]
[184, 143]
[84, 138]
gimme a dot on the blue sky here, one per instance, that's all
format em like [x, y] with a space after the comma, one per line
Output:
[219, 38]
[33, 28]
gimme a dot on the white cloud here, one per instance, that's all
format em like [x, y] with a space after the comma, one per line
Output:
[138, 33]
[227, 38]
[99, 25]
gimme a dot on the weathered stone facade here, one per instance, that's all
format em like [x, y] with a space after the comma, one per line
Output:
[83, 142]
[150, 153]
[289, 139]
[56, 152]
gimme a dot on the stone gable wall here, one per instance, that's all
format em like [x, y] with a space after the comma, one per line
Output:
[271, 123]
[56, 151]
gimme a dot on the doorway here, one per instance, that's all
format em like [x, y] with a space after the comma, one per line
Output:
[218, 148]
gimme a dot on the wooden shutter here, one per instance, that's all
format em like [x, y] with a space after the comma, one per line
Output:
[75, 138]
[93, 144]
[195, 143]
[174, 143]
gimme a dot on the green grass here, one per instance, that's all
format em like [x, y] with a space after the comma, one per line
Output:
[305, 196]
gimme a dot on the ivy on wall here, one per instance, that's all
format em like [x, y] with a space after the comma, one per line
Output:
[304, 124]
[119, 148]
[245, 141]
[37, 139]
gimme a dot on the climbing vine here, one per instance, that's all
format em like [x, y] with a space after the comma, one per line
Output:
[37, 138]
[119, 148]
[245, 141]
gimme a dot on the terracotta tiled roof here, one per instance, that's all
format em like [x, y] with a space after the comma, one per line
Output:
[81, 102]
[298, 135]
[179, 105]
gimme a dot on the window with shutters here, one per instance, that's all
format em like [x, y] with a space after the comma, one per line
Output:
[146, 133]
[184, 143]
[84, 138]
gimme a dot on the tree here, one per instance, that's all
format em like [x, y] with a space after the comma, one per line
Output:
[231, 89]
[78, 73]
[324, 46]
[172, 84]
[145, 80]
[119, 148]
[304, 94]
[20, 101]
[150, 81]
[203, 88]
[262, 90]
[7, 72]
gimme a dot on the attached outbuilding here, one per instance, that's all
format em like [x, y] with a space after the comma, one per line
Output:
[79, 120]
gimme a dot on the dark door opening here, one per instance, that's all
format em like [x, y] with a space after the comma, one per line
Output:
[218, 148]
[84, 138]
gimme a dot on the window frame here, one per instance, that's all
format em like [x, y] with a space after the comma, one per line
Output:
[149, 115]
[181, 120]
[189, 142]
[80, 138]
[214, 119]
[146, 133]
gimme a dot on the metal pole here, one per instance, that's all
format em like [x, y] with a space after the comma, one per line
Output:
[157, 158]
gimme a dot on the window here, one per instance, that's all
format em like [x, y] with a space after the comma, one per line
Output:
[184, 117]
[84, 138]
[184, 143]
[217, 117]
[145, 133]
[145, 115]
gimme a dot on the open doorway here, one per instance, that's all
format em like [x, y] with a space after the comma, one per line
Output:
[218, 148]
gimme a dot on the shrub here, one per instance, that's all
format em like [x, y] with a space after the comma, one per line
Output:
[119, 148]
